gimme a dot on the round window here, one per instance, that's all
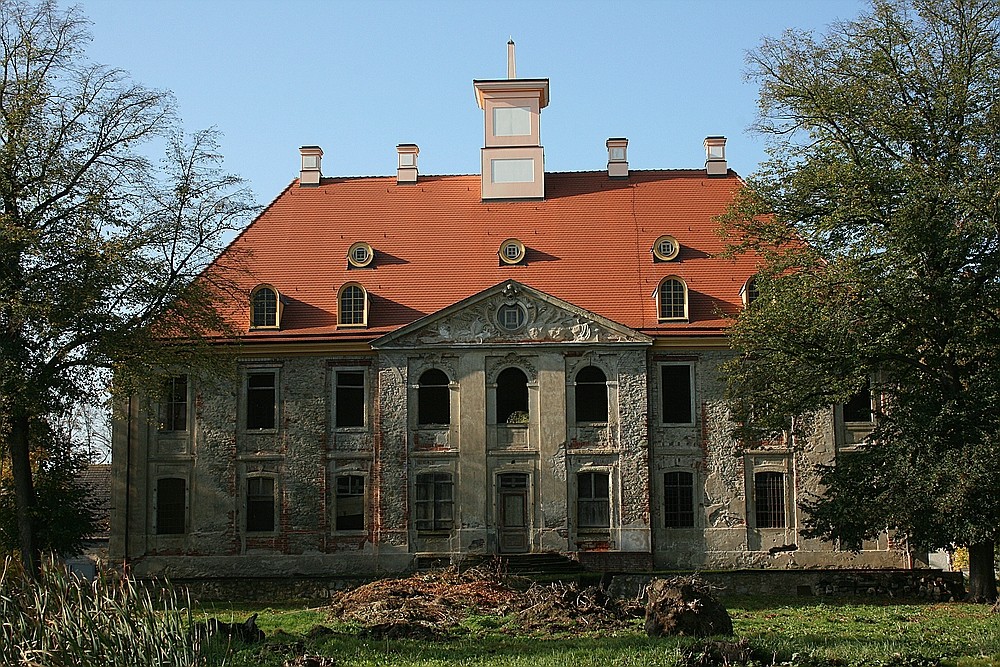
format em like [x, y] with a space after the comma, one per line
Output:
[511, 316]
[666, 248]
[511, 251]
[360, 254]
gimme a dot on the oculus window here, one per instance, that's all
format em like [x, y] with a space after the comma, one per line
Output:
[666, 248]
[360, 255]
[511, 316]
[511, 251]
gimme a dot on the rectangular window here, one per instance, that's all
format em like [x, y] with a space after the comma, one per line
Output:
[260, 504]
[769, 499]
[521, 170]
[593, 501]
[171, 503]
[675, 394]
[678, 499]
[859, 408]
[350, 399]
[350, 503]
[435, 507]
[261, 401]
[511, 121]
[174, 404]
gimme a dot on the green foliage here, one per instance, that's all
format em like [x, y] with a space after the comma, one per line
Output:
[101, 254]
[62, 620]
[62, 514]
[877, 221]
[797, 632]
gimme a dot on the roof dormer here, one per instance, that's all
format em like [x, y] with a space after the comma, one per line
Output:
[512, 156]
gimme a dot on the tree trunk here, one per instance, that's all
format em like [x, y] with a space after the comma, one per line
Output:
[982, 575]
[24, 491]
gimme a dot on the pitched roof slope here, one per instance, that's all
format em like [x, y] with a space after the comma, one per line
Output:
[436, 242]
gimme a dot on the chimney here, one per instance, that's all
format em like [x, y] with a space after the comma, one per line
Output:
[617, 157]
[715, 156]
[312, 159]
[406, 170]
[511, 70]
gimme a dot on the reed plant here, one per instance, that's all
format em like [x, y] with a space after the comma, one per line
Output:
[62, 620]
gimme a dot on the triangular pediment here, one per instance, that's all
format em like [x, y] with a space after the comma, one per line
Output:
[510, 313]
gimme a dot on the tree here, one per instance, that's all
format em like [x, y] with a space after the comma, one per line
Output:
[98, 250]
[877, 221]
[63, 516]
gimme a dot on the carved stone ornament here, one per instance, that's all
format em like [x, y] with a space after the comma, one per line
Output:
[543, 323]
[509, 314]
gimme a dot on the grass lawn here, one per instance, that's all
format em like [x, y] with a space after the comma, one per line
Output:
[800, 631]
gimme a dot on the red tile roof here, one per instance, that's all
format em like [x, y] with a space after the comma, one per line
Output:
[436, 242]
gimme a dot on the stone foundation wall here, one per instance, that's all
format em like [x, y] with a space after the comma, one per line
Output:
[923, 584]
[927, 584]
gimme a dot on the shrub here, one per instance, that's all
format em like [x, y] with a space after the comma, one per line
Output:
[63, 620]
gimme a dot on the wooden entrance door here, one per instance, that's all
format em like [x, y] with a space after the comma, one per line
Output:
[512, 507]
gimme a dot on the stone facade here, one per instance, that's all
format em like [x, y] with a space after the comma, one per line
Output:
[443, 461]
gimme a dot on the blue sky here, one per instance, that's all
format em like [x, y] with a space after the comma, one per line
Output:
[357, 78]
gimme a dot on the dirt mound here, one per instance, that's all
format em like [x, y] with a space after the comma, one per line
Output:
[685, 606]
[429, 605]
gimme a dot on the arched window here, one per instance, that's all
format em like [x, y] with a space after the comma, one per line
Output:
[750, 292]
[353, 306]
[264, 307]
[591, 395]
[433, 398]
[673, 299]
[512, 396]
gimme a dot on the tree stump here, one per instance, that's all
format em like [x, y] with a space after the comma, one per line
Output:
[684, 606]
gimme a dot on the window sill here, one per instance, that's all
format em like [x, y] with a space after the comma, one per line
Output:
[351, 429]
[362, 532]
[266, 328]
[434, 533]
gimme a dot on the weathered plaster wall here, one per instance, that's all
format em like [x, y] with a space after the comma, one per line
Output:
[306, 453]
